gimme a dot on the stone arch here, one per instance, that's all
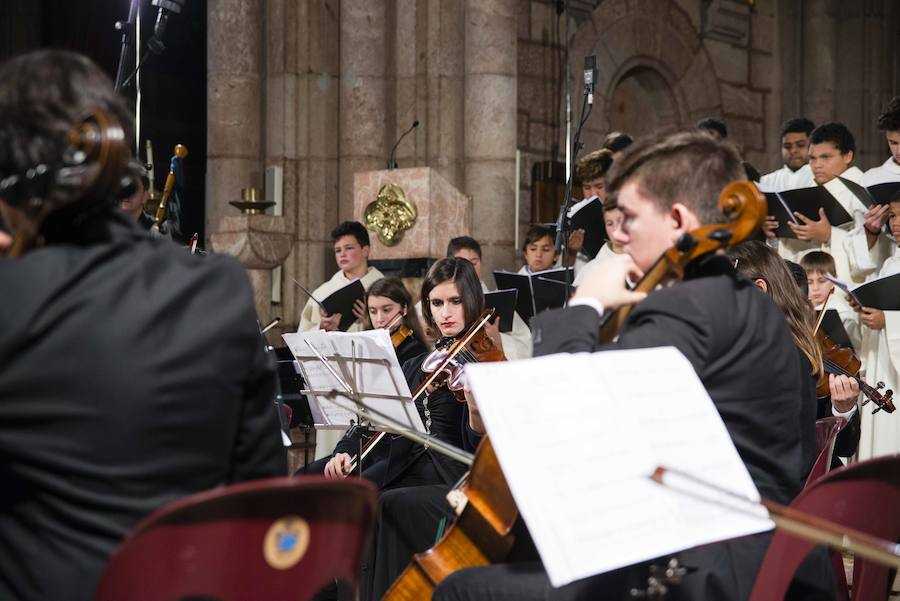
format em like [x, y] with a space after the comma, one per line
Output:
[649, 53]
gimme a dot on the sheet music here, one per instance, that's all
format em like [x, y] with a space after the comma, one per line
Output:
[375, 375]
[604, 426]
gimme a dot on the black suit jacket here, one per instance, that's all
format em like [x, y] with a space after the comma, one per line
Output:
[133, 373]
[738, 342]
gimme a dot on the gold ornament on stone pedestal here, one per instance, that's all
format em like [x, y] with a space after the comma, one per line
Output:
[251, 202]
[390, 214]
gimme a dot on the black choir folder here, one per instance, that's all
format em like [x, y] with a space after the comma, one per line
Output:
[341, 301]
[834, 327]
[503, 302]
[537, 291]
[879, 194]
[807, 201]
[589, 217]
[882, 293]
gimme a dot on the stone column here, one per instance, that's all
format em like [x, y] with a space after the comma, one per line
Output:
[362, 95]
[234, 103]
[819, 59]
[490, 126]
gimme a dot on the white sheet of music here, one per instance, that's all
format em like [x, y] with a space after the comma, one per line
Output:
[579, 435]
[376, 372]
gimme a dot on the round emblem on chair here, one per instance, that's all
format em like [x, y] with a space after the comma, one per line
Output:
[286, 542]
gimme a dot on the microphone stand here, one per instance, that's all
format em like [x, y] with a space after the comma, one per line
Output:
[128, 33]
[562, 222]
[392, 164]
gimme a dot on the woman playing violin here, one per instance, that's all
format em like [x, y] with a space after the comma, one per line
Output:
[385, 300]
[757, 261]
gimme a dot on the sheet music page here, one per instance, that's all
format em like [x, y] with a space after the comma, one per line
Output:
[375, 372]
[581, 438]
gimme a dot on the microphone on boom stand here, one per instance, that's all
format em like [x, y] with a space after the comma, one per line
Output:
[392, 164]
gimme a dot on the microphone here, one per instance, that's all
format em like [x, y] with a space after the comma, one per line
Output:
[392, 164]
[590, 77]
[155, 43]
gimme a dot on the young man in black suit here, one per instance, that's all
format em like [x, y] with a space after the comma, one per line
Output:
[735, 338]
[133, 373]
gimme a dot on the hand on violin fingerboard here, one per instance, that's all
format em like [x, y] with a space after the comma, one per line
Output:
[607, 283]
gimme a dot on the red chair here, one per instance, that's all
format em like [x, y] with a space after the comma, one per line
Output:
[827, 430]
[863, 496]
[279, 539]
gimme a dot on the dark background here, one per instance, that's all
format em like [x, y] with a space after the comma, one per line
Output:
[173, 84]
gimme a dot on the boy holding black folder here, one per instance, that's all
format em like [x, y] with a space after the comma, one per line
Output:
[832, 149]
[351, 251]
[880, 352]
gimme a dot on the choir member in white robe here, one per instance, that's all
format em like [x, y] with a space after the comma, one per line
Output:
[832, 148]
[795, 173]
[351, 251]
[612, 219]
[591, 171]
[881, 352]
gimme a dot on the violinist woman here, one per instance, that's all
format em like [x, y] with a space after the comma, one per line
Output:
[385, 300]
[415, 480]
[388, 305]
[762, 265]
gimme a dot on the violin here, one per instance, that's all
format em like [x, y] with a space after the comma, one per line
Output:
[841, 360]
[400, 336]
[482, 533]
[448, 361]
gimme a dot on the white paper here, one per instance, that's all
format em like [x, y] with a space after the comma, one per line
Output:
[375, 372]
[604, 426]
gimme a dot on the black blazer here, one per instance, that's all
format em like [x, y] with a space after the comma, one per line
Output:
[133, 373]
[738, 342]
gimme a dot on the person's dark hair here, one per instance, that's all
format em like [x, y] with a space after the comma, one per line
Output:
[799, 276]
[797, 125]
[394, 289]
[463, 242]
[594, 165]
[689, 167]
[755, 259]
[351, 228]
[617, 141]
[45, 95]
[535, 233]
[461, 272]
[713, 125]
[836, 133]
[889, 120]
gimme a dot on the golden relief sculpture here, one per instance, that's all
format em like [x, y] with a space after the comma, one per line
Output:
[390, 214]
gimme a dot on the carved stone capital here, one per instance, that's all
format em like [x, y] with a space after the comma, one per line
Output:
[258, 241]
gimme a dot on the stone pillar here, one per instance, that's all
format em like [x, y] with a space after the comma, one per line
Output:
[234, 103]
[490, 126]
[819, 59]
[362, 95]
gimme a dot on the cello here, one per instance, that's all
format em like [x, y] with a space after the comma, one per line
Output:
[482, 533]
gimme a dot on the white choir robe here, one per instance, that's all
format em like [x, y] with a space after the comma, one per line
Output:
[787, 179]
[309, 320]
[889, 171]
[853, 260]
[604, 254]
[311, 316]
[880, 433]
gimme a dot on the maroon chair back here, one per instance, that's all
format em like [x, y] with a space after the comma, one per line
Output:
[863, 496]
[827, 430]
[279, 539]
